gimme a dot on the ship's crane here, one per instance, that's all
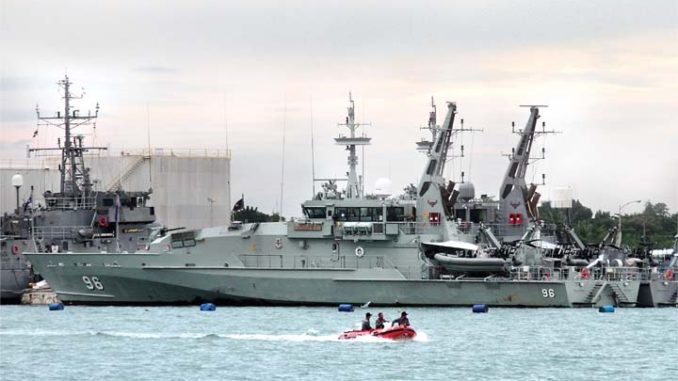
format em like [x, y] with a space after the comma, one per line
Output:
[516, 197]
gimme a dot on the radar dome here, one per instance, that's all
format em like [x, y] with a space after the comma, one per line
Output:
[467, 191]
[382, 186]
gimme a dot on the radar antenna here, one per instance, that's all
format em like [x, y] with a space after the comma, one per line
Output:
[75, 181]
[354, 188]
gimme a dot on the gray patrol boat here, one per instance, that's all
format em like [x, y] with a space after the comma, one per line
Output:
[346, 249]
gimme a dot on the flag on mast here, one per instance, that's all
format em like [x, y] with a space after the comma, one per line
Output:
[239, 205]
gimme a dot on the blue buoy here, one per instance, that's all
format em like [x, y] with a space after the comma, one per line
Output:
[480, 308]
[208, 307]
[346, 308]
[606, 308]
[56, 306]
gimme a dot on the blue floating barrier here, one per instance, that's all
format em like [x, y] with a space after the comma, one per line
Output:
[346, 308]
[56, 306]
[208, 307]
[480, 308]
[606, 308]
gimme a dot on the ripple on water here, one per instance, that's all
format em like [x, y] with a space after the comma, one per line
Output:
[246, 343]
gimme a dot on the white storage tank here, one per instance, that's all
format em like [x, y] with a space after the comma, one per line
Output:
[191, 188]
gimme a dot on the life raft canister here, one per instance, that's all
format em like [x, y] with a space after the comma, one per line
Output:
[16, 250]
[668, 274]
[103, 221]
[585, 273]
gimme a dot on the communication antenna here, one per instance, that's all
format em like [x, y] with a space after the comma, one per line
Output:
[75, 181]
[312, 150]
[148, 133]
[460, 131]
[282, 170]
[354, 187]
[531, 160]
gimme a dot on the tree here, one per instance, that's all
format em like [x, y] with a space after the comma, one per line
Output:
[654, 227]
[250, 214]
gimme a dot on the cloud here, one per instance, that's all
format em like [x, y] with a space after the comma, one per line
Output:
[608, 70]
[150, 69]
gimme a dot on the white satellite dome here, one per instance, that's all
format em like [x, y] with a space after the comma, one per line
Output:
[382, 186]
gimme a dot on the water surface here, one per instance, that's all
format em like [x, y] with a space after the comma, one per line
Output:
[270, 343]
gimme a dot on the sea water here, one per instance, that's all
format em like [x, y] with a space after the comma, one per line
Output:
[300, 343]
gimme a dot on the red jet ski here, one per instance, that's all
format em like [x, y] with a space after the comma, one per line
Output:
[398, 332]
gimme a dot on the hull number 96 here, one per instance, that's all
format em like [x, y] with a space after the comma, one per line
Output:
[548, 293]
[92, 283]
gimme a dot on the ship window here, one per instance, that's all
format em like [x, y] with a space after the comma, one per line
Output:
[177, 244]
[395, 213]
[478, 215]
[314, 212]
[108, 202]
[371, 214]
[341, 214]
[460, 214]
[353, 214]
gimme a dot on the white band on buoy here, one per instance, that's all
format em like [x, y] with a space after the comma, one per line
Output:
[359, 252]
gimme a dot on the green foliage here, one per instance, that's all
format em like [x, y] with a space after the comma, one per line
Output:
[250, 214]
[654, 227]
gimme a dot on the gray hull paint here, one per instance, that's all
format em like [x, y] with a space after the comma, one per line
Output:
[12, 284]
[658, 293]
[139, 284]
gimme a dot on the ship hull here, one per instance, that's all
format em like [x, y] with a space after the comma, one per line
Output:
[15, 274]
[658, 293]
[130, 279]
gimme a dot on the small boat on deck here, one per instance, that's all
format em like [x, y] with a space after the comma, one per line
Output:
[398, 332]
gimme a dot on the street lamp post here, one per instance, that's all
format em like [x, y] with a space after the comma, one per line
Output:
[17, 182]
[619, 224]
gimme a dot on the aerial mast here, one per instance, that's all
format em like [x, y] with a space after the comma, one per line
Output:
[75, 182]
[354, 187]
[514, 191]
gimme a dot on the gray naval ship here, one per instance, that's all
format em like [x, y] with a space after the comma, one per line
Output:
[76, 218]
[346, 249]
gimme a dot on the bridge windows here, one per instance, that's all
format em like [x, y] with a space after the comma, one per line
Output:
[359, 214]
[315, 212]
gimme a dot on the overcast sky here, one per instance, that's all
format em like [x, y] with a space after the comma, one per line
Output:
[608, 70]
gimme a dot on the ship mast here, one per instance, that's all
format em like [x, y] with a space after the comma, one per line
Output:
[519, 160]
[425, 145]
[354, 187]
[75, 182]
